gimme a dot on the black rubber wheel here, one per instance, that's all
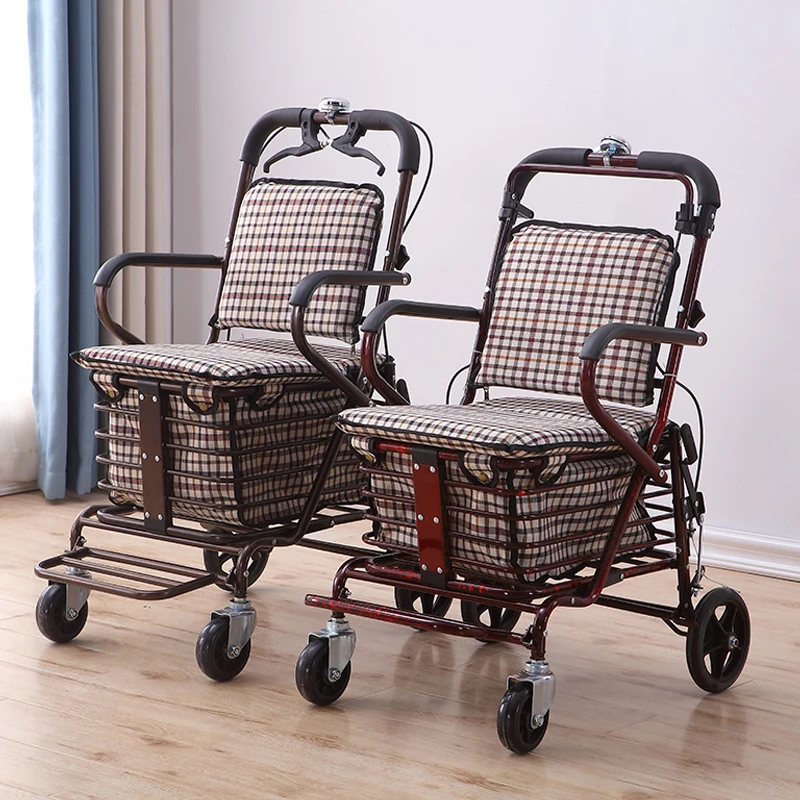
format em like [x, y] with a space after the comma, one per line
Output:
[434, 605]
[514, 726]
[223, 563]
[51, 615]
[211, 652]
[716, 650]
[489, 616]
[311, 675]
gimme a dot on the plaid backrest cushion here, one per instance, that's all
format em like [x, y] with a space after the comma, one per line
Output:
[557, 284]
[288, 229]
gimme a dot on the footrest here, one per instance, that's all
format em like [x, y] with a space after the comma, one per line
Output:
[174, 579]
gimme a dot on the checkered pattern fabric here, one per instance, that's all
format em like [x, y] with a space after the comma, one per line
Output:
[241, 362]
[288, 229]
[246, 461]
[514, 427]
[514, 536]
[557, 285]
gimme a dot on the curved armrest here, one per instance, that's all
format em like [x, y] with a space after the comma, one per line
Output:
[598, 340]
[410, 308]
[106, 274]
[590, 354]
[374, 323]
[301, 296]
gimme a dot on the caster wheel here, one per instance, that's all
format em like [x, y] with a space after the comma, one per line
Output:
[434, 605]
[51, 615]
[489, 616]
[514, 726]
[211, 652]
[223, 563]
[716, 649]
[311, 675]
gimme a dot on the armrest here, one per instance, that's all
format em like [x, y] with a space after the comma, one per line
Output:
[107, 272]
[374, 323]
[409, 308]
[591, 352]
[105, 275]
[598, 340]
[301, 296]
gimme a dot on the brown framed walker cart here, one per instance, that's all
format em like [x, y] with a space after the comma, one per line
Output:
[229, 446]
[519, 505]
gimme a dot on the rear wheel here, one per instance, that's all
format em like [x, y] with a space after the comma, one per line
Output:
[716, 650]
[489, 616]
[434, 605]
[223, 564]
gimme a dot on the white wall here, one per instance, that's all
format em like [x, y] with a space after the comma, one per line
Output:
[493, 81]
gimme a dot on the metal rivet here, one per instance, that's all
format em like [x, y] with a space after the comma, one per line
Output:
[147, 515]
[622, 576]
[144, 455]
[141, 397]
[160, 518]
[158, 458]
[436, 520]
[154, 399]
[420, 517]
[433, 469]
[439, 570]
[424, 567]
[416, 466]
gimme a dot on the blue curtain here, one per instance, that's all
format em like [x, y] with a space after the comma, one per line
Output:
[63, 53]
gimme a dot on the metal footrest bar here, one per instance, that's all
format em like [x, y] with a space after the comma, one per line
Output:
[103, 562]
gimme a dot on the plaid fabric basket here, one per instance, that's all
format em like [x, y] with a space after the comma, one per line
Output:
[245, 461]
[558, 283]
[288, 229]
[510, 526]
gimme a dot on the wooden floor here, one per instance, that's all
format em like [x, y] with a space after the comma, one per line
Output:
[123, 712]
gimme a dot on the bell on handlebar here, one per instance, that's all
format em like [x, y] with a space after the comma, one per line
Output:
[330, 106]
[613, 146]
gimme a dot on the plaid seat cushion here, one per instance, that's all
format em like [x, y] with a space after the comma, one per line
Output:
[557, 285]
[241, 362]
[288, 229]
[514, 427]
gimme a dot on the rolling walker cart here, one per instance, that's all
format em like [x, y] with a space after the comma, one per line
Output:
[519, 505]
[229, 446]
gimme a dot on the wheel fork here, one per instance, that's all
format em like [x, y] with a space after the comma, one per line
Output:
[543, 688]
[341, 640]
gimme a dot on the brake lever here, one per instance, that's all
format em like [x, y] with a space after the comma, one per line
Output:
[311, 143]
[346, 144]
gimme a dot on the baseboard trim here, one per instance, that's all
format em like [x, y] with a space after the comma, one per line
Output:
[752, 552]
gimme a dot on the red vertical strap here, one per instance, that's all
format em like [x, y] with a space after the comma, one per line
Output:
[151, 443]
[429, 513]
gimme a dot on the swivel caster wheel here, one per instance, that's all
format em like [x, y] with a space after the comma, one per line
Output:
[515, 728]
[214, 657]
[716, 650]
[55, 621]
[312, 678]
[489, 616]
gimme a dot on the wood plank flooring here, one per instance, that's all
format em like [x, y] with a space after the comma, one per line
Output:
[123, 711]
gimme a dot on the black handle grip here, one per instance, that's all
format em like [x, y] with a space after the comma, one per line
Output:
[565, 156]
[411, 308]
[598, 340]
[301, 296]
[374, 120]
[264, 126]
[703, 177]
[107, 272]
